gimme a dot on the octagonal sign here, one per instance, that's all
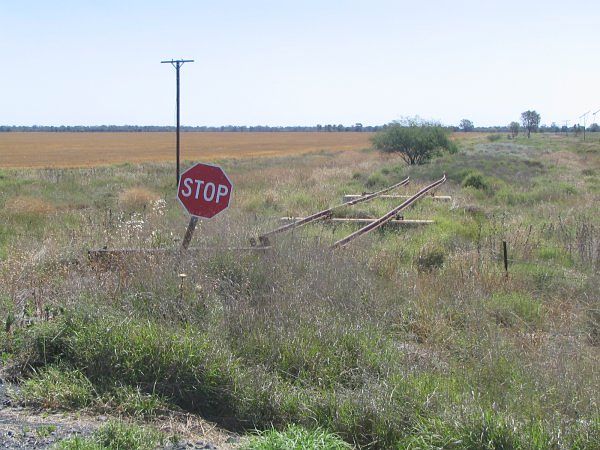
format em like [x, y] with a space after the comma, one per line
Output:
[204, 190]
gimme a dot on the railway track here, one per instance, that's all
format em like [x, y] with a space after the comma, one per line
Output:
[390, 215]
[373, 224]
[326, 213]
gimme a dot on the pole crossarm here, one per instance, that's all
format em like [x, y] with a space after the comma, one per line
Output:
[177, 61]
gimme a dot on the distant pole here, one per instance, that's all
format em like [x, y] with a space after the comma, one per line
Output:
[584, 117]
[177, 63]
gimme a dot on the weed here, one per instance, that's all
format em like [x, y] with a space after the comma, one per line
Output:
[44, 431]
[430, 259]
[137, 199]
[131, 401]
[295, 438]
[376, 181]
[56, 387]
[116, 435]
[28, 206]
[515, 309]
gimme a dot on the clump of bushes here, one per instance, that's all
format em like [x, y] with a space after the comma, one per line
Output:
[477, 181]
[494, 137]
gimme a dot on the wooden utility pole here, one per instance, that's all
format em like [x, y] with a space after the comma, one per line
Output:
[177, 63]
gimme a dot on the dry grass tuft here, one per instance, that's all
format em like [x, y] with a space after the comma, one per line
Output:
[28, 205]
[137, 198]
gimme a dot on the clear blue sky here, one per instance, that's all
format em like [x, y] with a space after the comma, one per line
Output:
[297, 63]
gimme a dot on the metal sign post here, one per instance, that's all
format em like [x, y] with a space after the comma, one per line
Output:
[177, 63]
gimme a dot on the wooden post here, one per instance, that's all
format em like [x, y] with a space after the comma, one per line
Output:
[505, 251]
[189, 233]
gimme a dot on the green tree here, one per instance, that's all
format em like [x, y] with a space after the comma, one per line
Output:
[416, 141]
[466, 125]
[514, 128]
[530, 121]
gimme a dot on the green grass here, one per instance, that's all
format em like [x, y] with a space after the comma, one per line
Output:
[295, 438]
[116, 435]
[515, 309]
[56, 387]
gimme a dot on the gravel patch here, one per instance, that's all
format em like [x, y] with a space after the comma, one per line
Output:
[29, 428]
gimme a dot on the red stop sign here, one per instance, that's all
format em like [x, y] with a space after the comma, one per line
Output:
[204, 190]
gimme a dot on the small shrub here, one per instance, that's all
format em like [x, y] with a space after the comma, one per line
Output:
[588, 172]
[430, 259]
[476, 180]
[376, 180]
[592, 326]
[494, 137]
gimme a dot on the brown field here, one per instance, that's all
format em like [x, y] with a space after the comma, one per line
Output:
[93, 149]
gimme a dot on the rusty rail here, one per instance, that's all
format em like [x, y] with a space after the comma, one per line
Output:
[444, 198]
[264, 238]
[390, 215]
[355, 221]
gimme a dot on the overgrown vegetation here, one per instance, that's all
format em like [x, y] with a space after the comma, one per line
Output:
[407, 339]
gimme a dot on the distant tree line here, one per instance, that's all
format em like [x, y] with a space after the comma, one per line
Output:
[327, 128]
[530, 121]
[465, 125]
